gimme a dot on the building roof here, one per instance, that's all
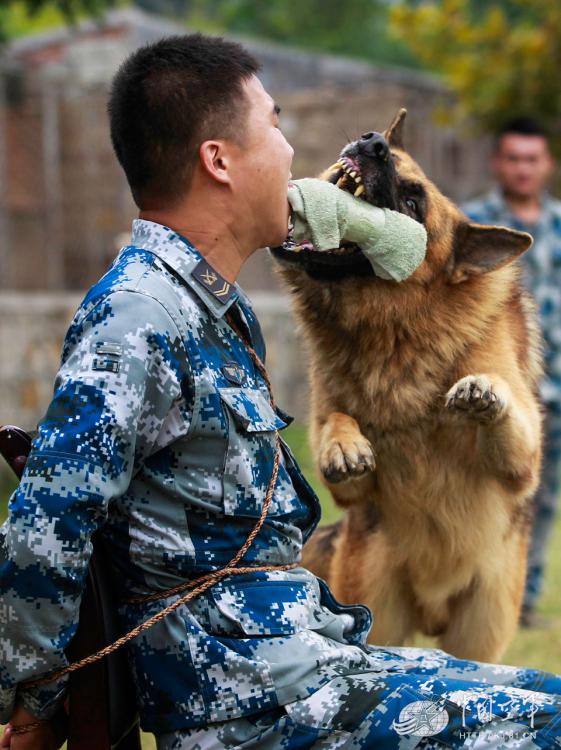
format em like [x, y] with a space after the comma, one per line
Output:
[101, 43]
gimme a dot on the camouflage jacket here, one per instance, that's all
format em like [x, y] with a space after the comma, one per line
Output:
[160, 437]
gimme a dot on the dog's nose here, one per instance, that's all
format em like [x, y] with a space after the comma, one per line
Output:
[374, 144]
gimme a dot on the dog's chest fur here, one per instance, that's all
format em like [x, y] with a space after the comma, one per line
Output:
[390, 371]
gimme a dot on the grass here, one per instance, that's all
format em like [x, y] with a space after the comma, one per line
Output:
[531, 648]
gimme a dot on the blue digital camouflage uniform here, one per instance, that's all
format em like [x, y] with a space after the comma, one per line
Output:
[161, 436]
[542, 275]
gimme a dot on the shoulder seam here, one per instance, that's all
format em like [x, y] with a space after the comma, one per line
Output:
[151, 296]
[169, 314]
[133, 289]
[144, 272]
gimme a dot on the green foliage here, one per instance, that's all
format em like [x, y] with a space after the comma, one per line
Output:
[354, 28]
[70, 9]
[20, 17]
[502, 58]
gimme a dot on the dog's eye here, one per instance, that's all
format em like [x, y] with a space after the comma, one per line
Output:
[412, 204]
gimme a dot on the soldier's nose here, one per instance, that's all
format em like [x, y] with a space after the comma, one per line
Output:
[374, 145]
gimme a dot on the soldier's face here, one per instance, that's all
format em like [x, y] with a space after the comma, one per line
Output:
[262, 168]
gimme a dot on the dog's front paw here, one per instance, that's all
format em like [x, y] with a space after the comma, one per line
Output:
[346, 458]
[478, 397]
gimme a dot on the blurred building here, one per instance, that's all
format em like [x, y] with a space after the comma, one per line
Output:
[64, 203]
[65, 206]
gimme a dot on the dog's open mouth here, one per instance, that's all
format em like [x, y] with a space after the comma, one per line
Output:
[367, 176]
[346, 175]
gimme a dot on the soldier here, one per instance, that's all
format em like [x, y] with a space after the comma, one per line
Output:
[523, 164]
[162, 435]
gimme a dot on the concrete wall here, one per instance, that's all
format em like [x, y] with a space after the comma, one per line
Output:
[32, 328]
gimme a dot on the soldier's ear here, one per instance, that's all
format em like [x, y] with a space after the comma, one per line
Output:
[394, 134]
[479, 249]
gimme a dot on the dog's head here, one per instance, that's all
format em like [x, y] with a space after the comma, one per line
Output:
[377, 169]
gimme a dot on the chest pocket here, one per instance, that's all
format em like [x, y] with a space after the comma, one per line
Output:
[250, 451]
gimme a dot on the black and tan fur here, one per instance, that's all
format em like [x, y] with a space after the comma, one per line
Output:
[425, 420]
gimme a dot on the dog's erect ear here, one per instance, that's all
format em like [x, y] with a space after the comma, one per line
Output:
[479, 249]
[394, 134]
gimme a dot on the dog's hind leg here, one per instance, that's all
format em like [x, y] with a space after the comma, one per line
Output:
[484, 618]
[365, 569]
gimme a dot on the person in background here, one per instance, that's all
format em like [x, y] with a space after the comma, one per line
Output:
[522, 164]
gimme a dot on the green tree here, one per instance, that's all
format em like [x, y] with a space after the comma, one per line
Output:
[354, 28]
[501, 58]
[71, 9]
[16, 15]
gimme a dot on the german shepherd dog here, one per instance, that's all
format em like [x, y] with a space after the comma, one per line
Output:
[425, 418]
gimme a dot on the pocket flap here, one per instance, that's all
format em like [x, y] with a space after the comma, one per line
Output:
[270, 607]
[251, 409]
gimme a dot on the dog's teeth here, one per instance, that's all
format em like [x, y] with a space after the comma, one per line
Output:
[341, 181]
[358, 179]
[359, 191]
[353, 175]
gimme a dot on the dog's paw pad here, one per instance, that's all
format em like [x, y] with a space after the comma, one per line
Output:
[347, 460]
[477, 398]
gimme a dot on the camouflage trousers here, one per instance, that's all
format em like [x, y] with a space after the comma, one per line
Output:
[424, 698]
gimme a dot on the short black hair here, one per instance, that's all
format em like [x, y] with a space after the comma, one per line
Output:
[169, 97]
[522, 126]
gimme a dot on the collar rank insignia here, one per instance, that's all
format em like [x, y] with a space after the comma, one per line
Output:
[213, 282]
[234, 373]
